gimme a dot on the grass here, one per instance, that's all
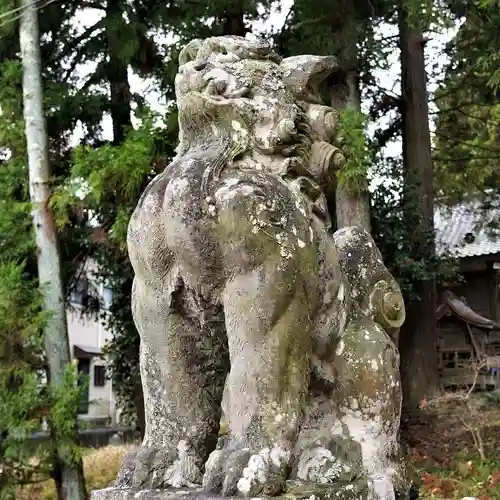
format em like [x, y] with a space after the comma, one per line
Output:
[462, 476]
[100, 468]
[445, 449]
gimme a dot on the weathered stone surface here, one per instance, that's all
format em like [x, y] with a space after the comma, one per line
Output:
[243, 299]
[340, 491]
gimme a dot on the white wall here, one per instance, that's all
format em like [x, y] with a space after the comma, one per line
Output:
[102, 402]
[82, 330]
[89, 332]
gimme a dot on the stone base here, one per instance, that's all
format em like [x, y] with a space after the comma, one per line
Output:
[339, 491]
[127, 493]
[356, 490]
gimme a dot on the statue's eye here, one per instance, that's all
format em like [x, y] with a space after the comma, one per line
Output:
[200, 66]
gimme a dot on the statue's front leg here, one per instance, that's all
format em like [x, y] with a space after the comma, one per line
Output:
[183, 367]
[268, 307]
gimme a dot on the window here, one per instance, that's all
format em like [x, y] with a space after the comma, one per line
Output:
[448, 359]
[99, 376]
[83, 371]
[464, 356]
[79, 292]
[84, 291]
[107, 297]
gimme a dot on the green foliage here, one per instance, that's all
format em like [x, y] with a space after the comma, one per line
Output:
[352, 141]
[462, 476]
[427, 14]
[12, 124]
[108, 178]
[65, 401]
[107, 182]
[467, 145]
[338, 30]
[24, 398]
[493, 398]
[395, 215]
[490, 62]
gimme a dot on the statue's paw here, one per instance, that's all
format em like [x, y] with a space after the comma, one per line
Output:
[382, 486]
[241, 472]
[223, 469]
[215, 470]
[336, 460]
[143, 467]
[158, 467]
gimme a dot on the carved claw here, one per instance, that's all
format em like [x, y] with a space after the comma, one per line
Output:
[190, 51]
[154, 468]
[239, 472]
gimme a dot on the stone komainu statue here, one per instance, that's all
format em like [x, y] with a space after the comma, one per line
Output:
[247, 305]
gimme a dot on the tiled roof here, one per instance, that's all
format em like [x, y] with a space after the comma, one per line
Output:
[464, 230]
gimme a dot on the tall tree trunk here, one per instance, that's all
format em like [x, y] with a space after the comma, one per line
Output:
[233, 22]
[120, 108]
[120, 95]
[72, 485]
[418, 338]
[352, 205]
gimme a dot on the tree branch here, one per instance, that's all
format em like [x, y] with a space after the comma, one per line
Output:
[465, 158]
[91, 5]
[298, 25]
[73, 46]
[464, 143]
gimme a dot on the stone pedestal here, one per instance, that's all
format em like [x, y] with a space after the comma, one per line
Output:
[357, 490]
[340, 491]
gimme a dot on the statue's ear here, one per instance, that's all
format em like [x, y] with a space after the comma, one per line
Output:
[312, 78]
[190, 51]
